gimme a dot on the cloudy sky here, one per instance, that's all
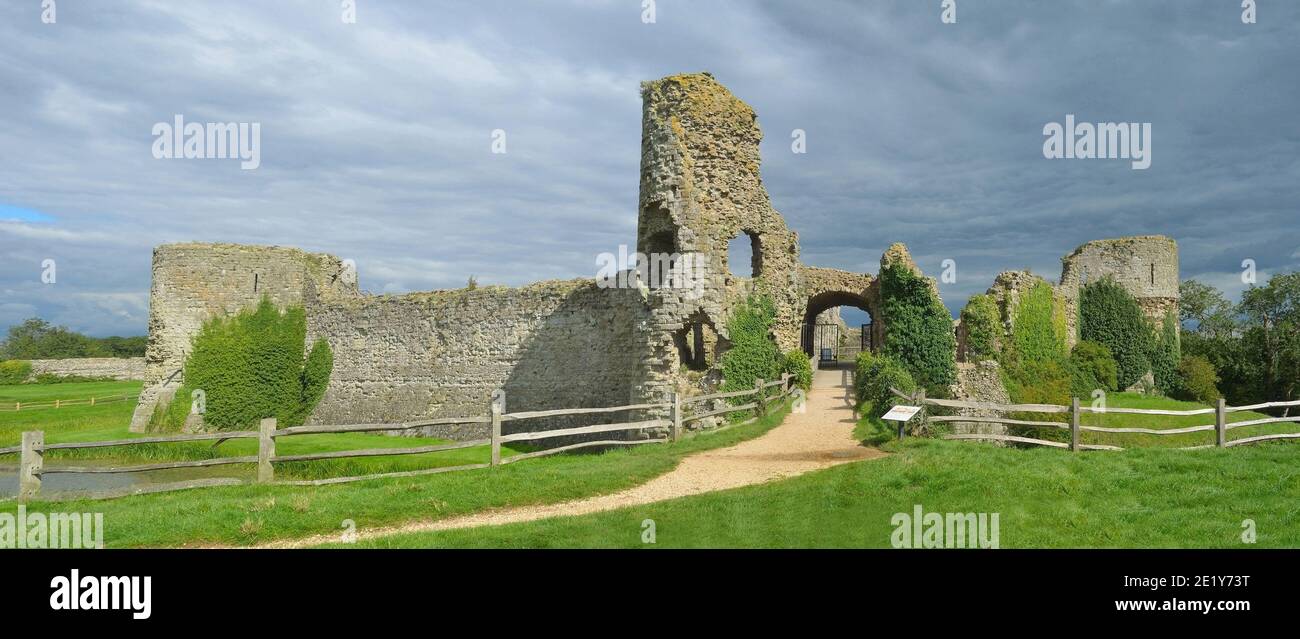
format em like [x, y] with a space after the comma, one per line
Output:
[376, 135]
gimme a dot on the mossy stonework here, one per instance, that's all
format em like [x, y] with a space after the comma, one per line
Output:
[552, 344]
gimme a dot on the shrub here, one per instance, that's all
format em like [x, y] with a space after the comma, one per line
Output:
[920, 335]
[1167, 356]
[1046, 382]
[1197, 380]
[1094, 367]
[983, 327]
[251, 366]
[753, 355]
[15, 371]
[800, 369]
[874, 375]
[1108, 314]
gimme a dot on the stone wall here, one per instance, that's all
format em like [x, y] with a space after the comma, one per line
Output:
[700, 188]
[195, 282]
[1146, 266]
[120, 368]
[979, 382]
[564, 344]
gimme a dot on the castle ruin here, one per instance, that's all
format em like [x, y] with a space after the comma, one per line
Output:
[573, 343]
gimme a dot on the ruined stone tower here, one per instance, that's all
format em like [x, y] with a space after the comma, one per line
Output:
[1146, 266]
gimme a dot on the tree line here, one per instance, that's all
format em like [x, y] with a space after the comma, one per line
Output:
[1254, 345]
[36, 338]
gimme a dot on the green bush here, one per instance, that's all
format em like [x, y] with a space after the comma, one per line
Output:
[983, 326]
[15, 371]
[1167, 356]
[919, 334]
[873, 377]
[1046, 382]
[753, 355]
[1093, 367]
[251, 366]
[1197, 380]
[800, 369]
[1108, 314]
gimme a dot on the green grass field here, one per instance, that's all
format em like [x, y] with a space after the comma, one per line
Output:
[83, 423]
[1146, 496]
[1046, 498]
[250, 514]
[874, 431]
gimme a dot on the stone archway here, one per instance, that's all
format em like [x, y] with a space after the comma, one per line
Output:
[825, 289]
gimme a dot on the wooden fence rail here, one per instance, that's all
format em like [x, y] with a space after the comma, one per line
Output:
[64, 403]
[1220, 426]
[33, 447]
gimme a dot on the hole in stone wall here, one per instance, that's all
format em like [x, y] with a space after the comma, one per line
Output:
[658, 252]
[745, 249]
[697, 344]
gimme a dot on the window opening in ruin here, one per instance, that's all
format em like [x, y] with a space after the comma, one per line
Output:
[697, 344]
[659, 253]
[254, 282]
[744, 249]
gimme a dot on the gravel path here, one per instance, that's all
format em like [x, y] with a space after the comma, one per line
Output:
[817, 438]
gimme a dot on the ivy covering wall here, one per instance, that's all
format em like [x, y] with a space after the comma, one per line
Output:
[918, 331]
[983, 326]
[251, 365]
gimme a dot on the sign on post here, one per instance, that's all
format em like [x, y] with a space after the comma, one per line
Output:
[901, 414]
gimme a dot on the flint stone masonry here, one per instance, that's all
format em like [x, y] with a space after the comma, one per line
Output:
[979, 382]
[562, 344]
[195, 282]
[1146, 266]
[120, 368]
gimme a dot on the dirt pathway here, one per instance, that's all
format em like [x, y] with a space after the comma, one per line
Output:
[817, 438]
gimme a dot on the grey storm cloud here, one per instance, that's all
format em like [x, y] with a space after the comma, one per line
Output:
[376, 135]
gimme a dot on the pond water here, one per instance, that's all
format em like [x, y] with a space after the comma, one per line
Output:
[59, 482]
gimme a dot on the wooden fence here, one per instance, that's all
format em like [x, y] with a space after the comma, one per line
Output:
[64, 403]
[33, 447]
[1220, 427]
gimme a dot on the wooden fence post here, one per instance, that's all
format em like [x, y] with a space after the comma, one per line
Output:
[18, 406]
[496, 407]
[785, 384]
[31, 464]
[265, 450]
[1074, 424]
[677, 416]
[925, 417]
[760, 406]
[1221, 423]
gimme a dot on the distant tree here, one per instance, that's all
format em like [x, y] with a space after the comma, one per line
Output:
[1272, 336]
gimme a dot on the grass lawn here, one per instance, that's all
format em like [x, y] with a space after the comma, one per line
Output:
[875, 432]
[83, 423]
[1046, 498]
[241, 515]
